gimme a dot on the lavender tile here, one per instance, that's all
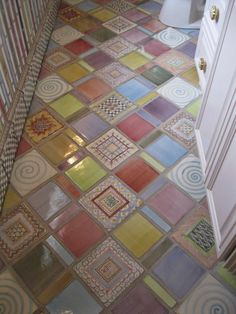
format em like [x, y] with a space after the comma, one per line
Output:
[161, 108]
[134, 35]
[154, 187]
[189, 49]
[98, 60]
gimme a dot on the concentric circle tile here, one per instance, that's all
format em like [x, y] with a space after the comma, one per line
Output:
[171, 37]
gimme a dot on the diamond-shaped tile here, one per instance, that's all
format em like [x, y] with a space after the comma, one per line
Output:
[119, 6]
[171, 37]
[65, 34]
[66, 105]
[119, 25]
[73, 72]
[117, 47]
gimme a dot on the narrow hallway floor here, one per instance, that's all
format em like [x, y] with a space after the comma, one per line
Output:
[106, 211]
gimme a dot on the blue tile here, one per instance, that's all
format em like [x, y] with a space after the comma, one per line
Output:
[178, 272]
[154, 187]
[151, 6]
[166, 150]
[147, 116]
[59, 249]
[74, 299]
[155, 218]
[86, 6]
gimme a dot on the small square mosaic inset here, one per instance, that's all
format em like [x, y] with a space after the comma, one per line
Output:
[119, 25]
[57, 58]
[117, 47]
[112, 149]
[108, 271]
[110, 202]
[113, 107]
[18, 231]
[119, 6]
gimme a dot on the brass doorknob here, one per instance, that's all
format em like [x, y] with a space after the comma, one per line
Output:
[202, 64]
[214, 13]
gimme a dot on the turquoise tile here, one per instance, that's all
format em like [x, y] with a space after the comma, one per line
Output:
[155, 218]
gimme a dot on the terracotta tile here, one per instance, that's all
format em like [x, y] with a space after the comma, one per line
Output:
[83, 228]
[78, 46]
[93, 89]
[23, 147]
[137, 174]
[154, 47]
[68, 186]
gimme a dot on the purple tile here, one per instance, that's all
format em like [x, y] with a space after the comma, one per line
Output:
[189, 49]
[134, 35]
[98, 60]
[134, 15]
[90, 126]
[161, 108]
[139, 300]
[178, 272]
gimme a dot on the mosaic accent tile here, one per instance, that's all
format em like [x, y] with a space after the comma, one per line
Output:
[13, 298]
[70, 14]
[157, 75]
[179, 92]
[103, 14]
[110, 202]
[119, 25]
[18, 231]
[112, 149]
[65, 34]
[134, 35]
[102, 34]
[51, 88]
[119, 6]
[113, 107]
[57, 58]
[188, 175]
[72, 298]
[178, 272]
[29, 171]
[108, 270]
[78, 46]
[41, 125]
[73, 72]
[181, 127]
[66, 105]
[138, 234]
[171, 37]
[86, 173]
[115, 74]
[117, 47]
[98, 60]
[209, 296]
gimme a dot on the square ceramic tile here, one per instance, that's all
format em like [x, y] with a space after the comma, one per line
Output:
[135, 127]
[135, 88]
[171, 37]
[48, 200]
[197, 237]
[155, 218]
[138, 234]
[188, 175]
[179, 92]
[110, 202]
[44, 267]
[117, 47]
[14, 299]
[72, 298]
[51, 88]
[66, 105]
[157, 75]
[174, 61]
[154, 47]
[178, 272]
[113, 107]
[57, 58]
[134, 15]
[134, 35]
[150, 6]
[18, 231]
[137, 174]
[139, 300]
[119, 25]
[86, 173]
[181, 126]
[86, 5]
[69, 14]
[98, 59]
[60, 250]
[189, 49]
[166, 150]
[41, 125]
[78, 46]
[29, 171]
[102, 34]
[59, 221]
[73, 72]
[90, 126]
[103, 14]
[80, 227]
[58, 148]
[171, 203]
[86, 24]
[210, 295]
[65, 34]
[191, 76]
[108, 270]
[112, 149]
[161, 108]
[152, 24]
[119, 6]
[134, 60]
[115, 74]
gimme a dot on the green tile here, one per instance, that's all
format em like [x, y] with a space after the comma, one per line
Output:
[195, 107]
[157, 75]
[67, 105]
[86, 173]
[152, 162]
[102, 34]
[226, 275]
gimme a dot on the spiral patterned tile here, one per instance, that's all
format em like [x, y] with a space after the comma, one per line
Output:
[30, 171]
[51, 88]
[210, 297]
[179, 92]
[188, 175]
[171, 37]
[13, 299]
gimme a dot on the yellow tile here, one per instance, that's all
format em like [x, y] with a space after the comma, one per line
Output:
[134, 60]
[58, 148]
[191, 76]
[138, 234]
[11, 199]
[146, 99]
[152, 162]
[73, 72]
[103, 14]
[86, 65]
[76, 138]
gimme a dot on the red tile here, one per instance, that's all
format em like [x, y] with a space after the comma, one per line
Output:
[23, 147]
[68, 186]
[137, 174]
[93, 89]
[171, 203]
[78, 46]
[65, 217]
[135, 127]
[155, 47]
[80, 234]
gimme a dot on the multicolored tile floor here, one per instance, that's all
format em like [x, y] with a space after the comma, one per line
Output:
[106, 211]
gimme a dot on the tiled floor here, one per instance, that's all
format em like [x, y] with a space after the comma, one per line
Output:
[106, 210]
